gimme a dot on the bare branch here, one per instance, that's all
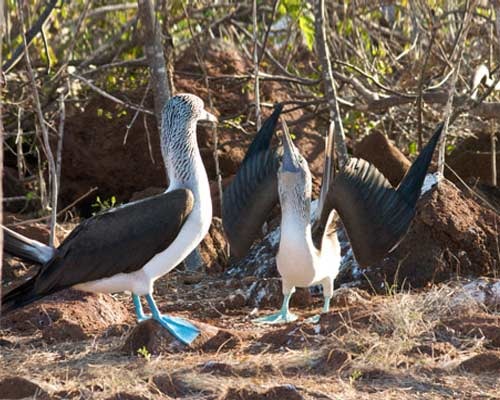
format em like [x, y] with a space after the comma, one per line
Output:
[331, 93]
[43, 127]
[156, 59]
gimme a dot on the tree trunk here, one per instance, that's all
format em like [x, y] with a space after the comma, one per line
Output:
[156, 60]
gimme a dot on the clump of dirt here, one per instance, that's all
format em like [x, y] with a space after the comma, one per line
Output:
[68, 315]
[213, 247]
[388, 159]
[484, 363]
[173, 386]
[150, 335]
[275, 393]
[471, 159]
[126, 396]
[16, 387]
[452, 235]
[477, 326]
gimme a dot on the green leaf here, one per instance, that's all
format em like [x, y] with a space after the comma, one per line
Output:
[306, 25]
[412, 148]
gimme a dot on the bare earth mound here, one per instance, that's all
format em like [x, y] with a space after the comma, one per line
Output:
[69, 315]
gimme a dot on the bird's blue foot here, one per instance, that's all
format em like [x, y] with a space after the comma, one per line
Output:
[181, 329]
[315, 318]
[278, 318]
[281, 317]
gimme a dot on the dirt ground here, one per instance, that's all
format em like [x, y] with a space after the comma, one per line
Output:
[440, 343]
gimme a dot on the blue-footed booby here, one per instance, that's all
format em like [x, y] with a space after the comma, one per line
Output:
[375, 215]
[127, 248]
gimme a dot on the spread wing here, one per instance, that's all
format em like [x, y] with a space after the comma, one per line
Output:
[375, 215]
[252, 194]
[123, 239]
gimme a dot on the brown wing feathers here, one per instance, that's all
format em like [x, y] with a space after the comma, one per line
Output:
[252, 194]
[377, 216]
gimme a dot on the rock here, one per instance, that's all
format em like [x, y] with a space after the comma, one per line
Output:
[235, 300]
[68, 315]
[218, 368]
[484, 363]
[157, 340]
[172, 385]
[388, 159]
[483, 292]
[471, 159]
[213, 248]
[126, 396]
[288, 392]
[479, 325]
[345, 297]
[331, 362]
[438, 349]
[19, 388]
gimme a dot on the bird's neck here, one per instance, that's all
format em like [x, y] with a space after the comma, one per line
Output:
[296, 224]
[183, 161]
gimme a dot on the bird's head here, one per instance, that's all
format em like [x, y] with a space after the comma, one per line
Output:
[294, 177]
[186, 107]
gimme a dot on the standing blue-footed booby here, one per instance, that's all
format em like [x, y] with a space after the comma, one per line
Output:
[127, 248]
[375, 215]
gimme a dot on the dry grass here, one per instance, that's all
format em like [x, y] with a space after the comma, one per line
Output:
[381, 360]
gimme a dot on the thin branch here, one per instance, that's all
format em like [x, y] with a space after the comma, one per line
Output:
[459, 48]
[46, 217]
[43, 126]
[111, 97]
[99, 11]
[29, 36]
[156, 59]
[331, 93]
[256, 66]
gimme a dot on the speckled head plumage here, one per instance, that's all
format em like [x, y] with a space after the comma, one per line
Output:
[178, 134]
[184, 108]
[294, 179]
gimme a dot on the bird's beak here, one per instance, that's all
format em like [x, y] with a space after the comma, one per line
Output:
[290, 161]
[206, 116]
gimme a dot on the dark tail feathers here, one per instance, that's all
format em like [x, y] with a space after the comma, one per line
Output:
[19, 296]
[27, 249]
[411, 185]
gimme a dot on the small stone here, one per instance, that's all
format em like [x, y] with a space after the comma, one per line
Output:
[171, 385]
[20, 388]
[235, 300]
[482, 363]
[156, 340]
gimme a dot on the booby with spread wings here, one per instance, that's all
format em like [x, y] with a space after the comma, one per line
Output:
[127, 248]
[375, 215]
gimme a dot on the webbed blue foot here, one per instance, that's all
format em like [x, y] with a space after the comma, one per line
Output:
[315, 318]
[182, 330]
[278, 318]
[281, 317]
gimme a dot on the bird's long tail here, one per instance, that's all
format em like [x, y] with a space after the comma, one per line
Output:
[27, 249]
[411, 185]
[19, 296]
